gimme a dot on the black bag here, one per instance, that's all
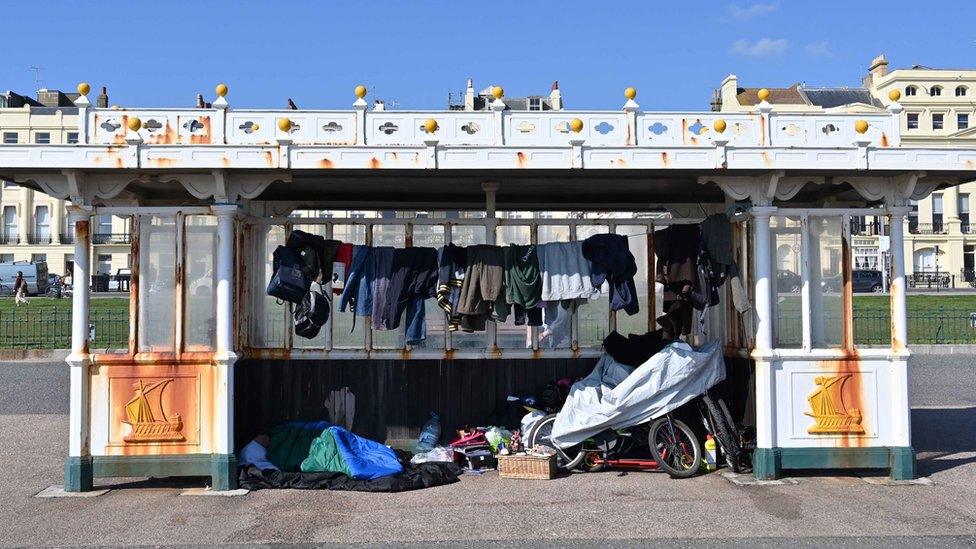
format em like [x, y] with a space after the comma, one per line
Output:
[288, 282]
[309, 247]
[704, 294]
[311, 314]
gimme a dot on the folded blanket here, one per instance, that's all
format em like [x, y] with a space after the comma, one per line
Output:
[415, 477]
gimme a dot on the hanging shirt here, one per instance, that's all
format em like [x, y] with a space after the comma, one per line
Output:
[565, 273]
[612, 262]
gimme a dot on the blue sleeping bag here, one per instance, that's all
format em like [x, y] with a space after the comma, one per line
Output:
[366, 459]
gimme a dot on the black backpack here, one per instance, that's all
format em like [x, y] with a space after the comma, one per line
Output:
[704, 294]
[311, 314]
[310, 247]
[289, 282]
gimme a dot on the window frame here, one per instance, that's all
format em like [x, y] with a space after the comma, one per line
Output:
[7, 138]
[938, 121]
[912, 120]
[911, 91]
[962, 91]
[962, 121]
[935, 91]
[71, 138]
[42, 138]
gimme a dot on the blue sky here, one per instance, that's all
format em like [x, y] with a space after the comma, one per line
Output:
[163, 53]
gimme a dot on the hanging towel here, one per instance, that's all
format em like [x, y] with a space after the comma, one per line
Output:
[566, 274]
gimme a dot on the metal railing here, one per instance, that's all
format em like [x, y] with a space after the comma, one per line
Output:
[872, 326]
[67, 238]
[111, 238]
[931, 279]
[9, 239]
[51, 329]
[871, 228]
[928, 228]
[38, 238]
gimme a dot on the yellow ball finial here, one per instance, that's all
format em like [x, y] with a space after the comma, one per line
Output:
[498, 92]
[630, 93]
[861, 126]
[720, 125]
[894, 95]
[83, 88]
[763, 94]
[576, 125]
[430, 125]
[360, 91]
[284, 124]
[221, 90]
[134, 123]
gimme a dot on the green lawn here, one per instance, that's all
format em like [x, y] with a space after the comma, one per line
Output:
[45, 323]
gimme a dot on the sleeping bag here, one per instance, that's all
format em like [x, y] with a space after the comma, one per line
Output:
[337, 450]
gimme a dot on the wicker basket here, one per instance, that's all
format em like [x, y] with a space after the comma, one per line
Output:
[527, 467]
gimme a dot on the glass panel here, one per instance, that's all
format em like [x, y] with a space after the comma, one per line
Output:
[594, 317]
[157, 284]
[787, 281]
[511, 336]
[558, 317]
[349, 332]
[637, 324]
[267, 315]
[431, 236]
[395, 236]
[200, 282]
[469, 235]
[826, 281]
[317, 342]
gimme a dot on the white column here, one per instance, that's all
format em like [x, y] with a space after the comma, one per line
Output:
[79, 359]
[900, 408]
[57, 210]
[224, 356]
[764, 310]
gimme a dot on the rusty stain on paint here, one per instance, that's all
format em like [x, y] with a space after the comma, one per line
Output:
[765, 158]
[520, 159]
[684, 130]
[204, 138]
[268, 159]
[694, 140]
[325, 163]
[225, 161]
[762, 131]
[884, 139]
[374, 163]
[664, 158]
[161, 162]
[970, 165]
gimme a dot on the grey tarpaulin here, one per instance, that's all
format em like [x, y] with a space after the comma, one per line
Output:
[616, 396]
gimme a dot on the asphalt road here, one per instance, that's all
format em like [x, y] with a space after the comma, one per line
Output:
[585, 510]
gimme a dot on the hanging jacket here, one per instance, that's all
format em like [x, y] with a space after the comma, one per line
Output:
[484, 281]
[613, 262]
[452, 261]
[357, 294]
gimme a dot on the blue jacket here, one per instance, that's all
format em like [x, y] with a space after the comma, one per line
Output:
[357, 294]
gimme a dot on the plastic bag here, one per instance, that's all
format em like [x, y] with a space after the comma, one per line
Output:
[497, 436]
[529, 421]
[440, 453]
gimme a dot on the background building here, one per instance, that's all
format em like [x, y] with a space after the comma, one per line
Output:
[939, 111]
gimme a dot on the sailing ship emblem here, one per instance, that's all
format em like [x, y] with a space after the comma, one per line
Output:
[829, 411]
[149, 423]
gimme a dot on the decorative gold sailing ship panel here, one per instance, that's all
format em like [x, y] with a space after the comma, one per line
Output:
[147, 417]
[154, 408]
[830, 409]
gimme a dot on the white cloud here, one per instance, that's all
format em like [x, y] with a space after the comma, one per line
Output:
[764, 47]
[819, 49]
[752, 11]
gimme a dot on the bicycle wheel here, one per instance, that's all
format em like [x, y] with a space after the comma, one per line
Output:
[675, 447]
[722, 428]
[567, 458]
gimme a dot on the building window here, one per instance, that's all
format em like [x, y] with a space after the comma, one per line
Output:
[911, 90]
[10, 224]
[937, 213]
[964, 211]
[913, 121]
[42, 224]
[935, 91]
[72, 138]
[6, 258]
[10, 138]
[42, 138]
[962, 121]
[357, 215]
[535, 103]
[961, 91]
[104, 264]
[38, 258]
[938, 121]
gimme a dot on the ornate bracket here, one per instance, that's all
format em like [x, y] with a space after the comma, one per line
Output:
[228, 188]
[763, 189]
[78, 187]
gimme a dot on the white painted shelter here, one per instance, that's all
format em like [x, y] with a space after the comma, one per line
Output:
[210, 192]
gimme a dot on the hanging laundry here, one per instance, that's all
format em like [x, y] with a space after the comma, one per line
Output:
[558, 332]
[677, 248]
[613, 262]
[382, 271]
[523, 285]
[452, 261]
[484, 281]
[357, 294]
[413, 281]
[566, 274]
[340, 267]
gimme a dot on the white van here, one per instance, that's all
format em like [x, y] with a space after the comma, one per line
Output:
[35, 275]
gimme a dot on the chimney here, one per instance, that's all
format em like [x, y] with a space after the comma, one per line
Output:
[102, 100]
[716, 103]
[200, 103]
[379, 105]
[555, 98]
[878, 69]
[729, 95]
[469, 96]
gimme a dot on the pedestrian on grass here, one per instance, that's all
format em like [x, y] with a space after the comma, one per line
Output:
[20, 289]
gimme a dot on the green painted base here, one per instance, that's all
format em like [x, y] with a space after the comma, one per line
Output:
[221, 468]
[78, 474]
[768, 463]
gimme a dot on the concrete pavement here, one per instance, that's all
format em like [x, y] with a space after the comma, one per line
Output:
[607, 509]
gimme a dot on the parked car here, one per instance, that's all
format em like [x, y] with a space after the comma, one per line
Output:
[867, 281]
[788, 281]
[35, 275]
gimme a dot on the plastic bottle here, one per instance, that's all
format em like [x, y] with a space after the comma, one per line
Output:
[430, 434]
[711, 454]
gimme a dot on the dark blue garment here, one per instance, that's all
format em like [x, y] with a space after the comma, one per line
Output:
[382, 271]
[612, 261]
[357, 294]
[413, 280]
